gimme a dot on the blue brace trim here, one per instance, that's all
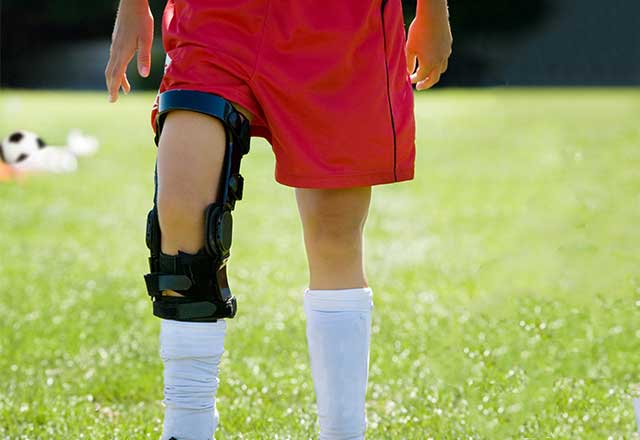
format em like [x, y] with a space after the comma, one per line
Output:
[201, 102]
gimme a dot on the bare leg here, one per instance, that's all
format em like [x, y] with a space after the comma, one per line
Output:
[338, 307]
[333, 222]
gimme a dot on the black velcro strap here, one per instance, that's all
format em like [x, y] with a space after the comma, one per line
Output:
[207, 103]
[182, 309]
[157, 282]
[201, 102]
[191, 275]
[174, 282]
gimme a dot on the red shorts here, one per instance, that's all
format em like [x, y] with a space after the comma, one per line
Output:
[326, 82]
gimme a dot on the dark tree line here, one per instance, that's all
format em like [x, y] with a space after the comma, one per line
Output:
[27, 26]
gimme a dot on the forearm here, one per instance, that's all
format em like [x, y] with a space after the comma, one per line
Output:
[134, 5]
[428, 10]
[134, 2]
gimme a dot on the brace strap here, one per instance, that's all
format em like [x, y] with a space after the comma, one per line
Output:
[195, 277]
[208, 104]
[192, 275]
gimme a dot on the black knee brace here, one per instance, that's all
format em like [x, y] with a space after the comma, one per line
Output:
[200, 277]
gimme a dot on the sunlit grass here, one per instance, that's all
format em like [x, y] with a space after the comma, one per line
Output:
[506, 278]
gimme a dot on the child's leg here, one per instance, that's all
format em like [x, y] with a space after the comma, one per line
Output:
[333, 221]
[190, 155]
[338, 306]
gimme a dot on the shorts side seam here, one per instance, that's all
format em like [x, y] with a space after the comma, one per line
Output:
[264, 29]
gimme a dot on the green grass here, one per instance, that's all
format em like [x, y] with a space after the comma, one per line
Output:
[506, 278]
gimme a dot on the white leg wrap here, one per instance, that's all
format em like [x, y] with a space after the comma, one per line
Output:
[191, 352]
[338, 334]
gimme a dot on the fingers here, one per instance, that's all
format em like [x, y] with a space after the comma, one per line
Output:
[115, 77]
[144, 55]
[420, 74]
[112, 82]
[115, 73]
[426, 77]
[430, 80]
[411, 61]
[126, 87]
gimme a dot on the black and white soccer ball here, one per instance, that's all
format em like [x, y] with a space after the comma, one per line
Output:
[19, 145]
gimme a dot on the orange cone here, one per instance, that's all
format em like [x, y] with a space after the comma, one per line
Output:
[6, 172]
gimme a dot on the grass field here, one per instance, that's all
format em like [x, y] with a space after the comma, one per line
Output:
[506, 278]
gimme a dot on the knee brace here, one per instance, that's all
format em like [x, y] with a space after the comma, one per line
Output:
[200, 277]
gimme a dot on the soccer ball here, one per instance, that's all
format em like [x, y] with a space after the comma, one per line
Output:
[19, 145]
[25, 151]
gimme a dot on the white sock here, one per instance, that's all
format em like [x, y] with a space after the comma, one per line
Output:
[191, 352]
[338, 334]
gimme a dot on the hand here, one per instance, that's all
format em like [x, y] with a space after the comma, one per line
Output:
[429, 42]
[132, 32]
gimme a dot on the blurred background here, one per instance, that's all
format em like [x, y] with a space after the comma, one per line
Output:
[496, 42]
[506, 273]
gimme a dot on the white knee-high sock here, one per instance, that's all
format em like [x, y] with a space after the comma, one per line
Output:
[191, 352]
[338, 334]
